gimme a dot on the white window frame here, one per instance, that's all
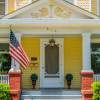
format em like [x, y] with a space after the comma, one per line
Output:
[29, 1]
[6, 7]
[98, 6]
[75, 2]
[90, 5]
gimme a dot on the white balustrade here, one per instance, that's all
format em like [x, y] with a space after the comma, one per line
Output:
[96, 77]
[4, 78]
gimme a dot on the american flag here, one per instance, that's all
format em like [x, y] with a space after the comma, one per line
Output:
[16, 51]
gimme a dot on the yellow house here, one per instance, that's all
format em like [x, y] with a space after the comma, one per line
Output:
[74, 27]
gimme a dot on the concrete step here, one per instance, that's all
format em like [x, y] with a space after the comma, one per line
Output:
[51, 94]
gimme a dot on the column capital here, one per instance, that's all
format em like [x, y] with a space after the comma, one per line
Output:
[86, 34]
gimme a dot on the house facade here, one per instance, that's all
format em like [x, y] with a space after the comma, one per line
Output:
[73, 25]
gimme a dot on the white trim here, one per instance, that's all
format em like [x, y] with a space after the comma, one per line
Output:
[75, 2]
[15, 5]
[6, 6]
[95, 40]
[98, 6]
[90, 5]
[4, 40]
[42, 42]
[29, 1]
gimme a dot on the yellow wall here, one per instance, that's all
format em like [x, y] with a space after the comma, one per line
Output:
[94, 6]
[32, 48]
[72, 59]
[11, 5]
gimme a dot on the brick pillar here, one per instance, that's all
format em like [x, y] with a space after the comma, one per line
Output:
[86, 81]
[15, 85]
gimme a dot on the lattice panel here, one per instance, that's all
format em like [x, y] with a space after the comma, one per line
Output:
[21, 3]
[83, 4]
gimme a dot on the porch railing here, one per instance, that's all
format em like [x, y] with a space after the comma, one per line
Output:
[4, 78]
[96, 77]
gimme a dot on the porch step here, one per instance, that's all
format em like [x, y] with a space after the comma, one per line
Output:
[51, 94]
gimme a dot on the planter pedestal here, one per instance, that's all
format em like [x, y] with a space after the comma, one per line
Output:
[33, 83]
[69, 83]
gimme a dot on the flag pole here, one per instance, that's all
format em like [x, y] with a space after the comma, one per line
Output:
[12, 59]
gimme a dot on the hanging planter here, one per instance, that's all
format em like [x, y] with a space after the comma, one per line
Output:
[69, 77]
[34, 77]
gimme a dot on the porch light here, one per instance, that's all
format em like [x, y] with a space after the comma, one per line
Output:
[52, 42]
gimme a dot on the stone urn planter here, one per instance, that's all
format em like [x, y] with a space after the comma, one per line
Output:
[69, 77]
[34, 77]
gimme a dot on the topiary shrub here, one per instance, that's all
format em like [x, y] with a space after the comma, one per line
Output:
[96, 90]
[4, 92]
[34, 77]
[69, 77]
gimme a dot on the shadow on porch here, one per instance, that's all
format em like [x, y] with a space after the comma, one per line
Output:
[51, 94]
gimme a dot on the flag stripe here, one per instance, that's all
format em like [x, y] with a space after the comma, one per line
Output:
[18, 52]
[19, 57]
[14, 53]
[23, 52]
[17, 60]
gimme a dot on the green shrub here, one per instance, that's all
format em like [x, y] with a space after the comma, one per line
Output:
[4, 92]
[34, 77]
[96, 90]
[69, 77]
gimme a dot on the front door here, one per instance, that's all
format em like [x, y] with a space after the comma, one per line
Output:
[51, 64]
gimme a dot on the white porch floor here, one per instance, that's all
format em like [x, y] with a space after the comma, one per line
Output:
[51, 94]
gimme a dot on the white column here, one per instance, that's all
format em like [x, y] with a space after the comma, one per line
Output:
[86, 50]
[17, 65]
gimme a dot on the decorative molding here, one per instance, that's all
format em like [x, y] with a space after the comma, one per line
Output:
[59, 12]
[43, 12]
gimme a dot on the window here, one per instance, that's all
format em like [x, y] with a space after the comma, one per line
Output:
[95, 57]
[2, 7]
[5, 59]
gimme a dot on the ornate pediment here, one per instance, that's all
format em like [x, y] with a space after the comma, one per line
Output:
[51, 12]
[57, 9]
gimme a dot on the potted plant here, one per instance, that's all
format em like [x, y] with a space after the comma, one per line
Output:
[69, 77]
[34, 77]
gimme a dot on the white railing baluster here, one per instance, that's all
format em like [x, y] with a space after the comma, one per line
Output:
[96, 77]
[4, 78]
[1, 78]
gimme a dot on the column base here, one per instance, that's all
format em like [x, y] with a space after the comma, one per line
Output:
[15, 85]
[86, 81]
